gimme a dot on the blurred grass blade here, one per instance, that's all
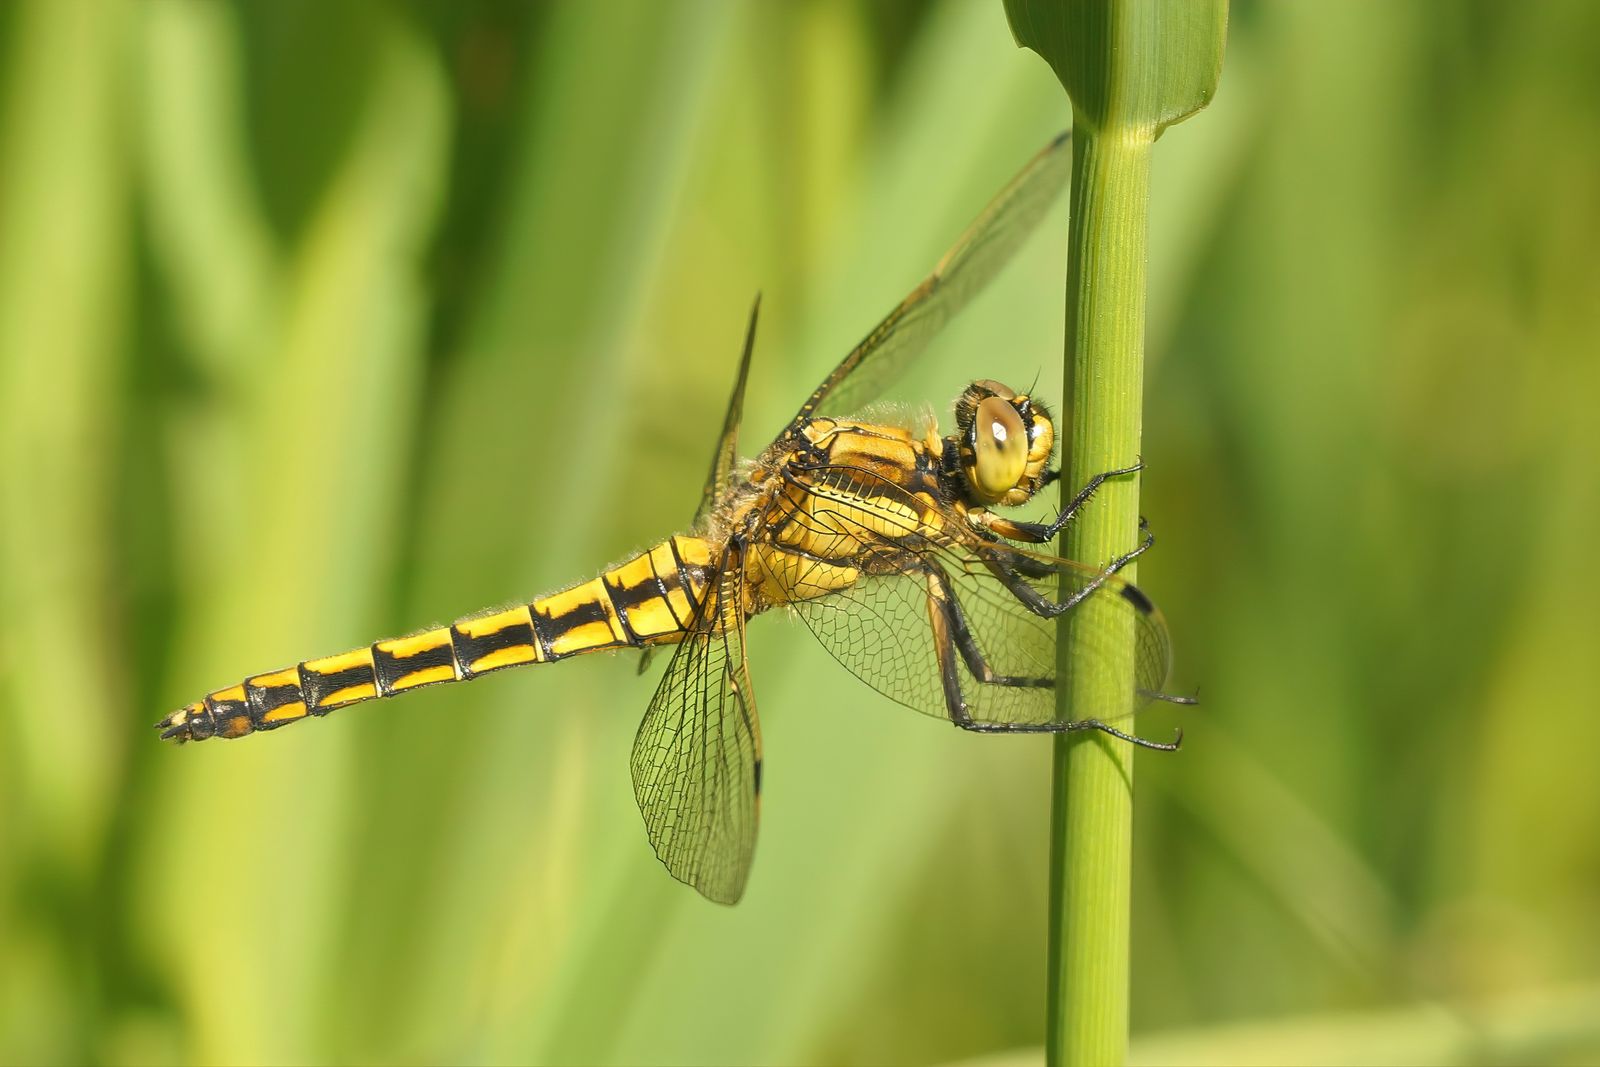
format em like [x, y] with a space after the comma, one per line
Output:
[329, 402]
[1131, 69]
[63, 269]
[212, 241]
[320, 322]
[1559, 1025]
[1544, 1026]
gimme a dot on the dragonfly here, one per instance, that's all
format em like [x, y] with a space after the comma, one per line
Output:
[885, 539]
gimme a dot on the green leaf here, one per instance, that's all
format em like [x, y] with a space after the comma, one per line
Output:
[1140, 64]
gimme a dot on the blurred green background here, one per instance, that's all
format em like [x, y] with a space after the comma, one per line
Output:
[322, 322]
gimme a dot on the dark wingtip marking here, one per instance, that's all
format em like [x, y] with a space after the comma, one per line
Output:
[1132, 595]
[758, 777]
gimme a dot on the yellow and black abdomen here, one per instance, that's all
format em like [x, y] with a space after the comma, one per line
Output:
[650, 599]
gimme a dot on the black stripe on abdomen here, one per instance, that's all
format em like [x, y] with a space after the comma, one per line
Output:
[325, 691]
[393, 671]
[470, 649]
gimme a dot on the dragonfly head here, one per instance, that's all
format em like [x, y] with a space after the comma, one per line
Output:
[1003, 442]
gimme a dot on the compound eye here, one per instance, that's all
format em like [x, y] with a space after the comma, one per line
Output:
[999, 448]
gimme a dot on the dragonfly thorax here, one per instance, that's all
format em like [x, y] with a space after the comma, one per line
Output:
[1002, 444]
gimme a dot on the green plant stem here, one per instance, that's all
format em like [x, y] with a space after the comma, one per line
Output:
[1092, 784]
[1132, 68]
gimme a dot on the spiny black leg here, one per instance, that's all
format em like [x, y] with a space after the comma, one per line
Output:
[1168, 698]
[1014, 572]
[1039, 533]
[1144, 545]
[967, 644]
[939, 619]
[952, 636]
[1031, 598]
[1084, 494]
[1132, 739]
[1068, 728]
[1032, 568]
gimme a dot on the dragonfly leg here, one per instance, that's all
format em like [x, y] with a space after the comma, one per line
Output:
[955, 701]
[1082, 497]
[952, 637]
[942, 599]
[1169, 698]
[1013, 573]
[1068, 728]
[1039, 533]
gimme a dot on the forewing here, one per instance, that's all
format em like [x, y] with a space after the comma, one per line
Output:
[697, 756]
[986, 247]
[881, 628]
[726, 457]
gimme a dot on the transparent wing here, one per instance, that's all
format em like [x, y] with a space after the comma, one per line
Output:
[726, 457]
[697, 756]
[941, 616]
[986, 247]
